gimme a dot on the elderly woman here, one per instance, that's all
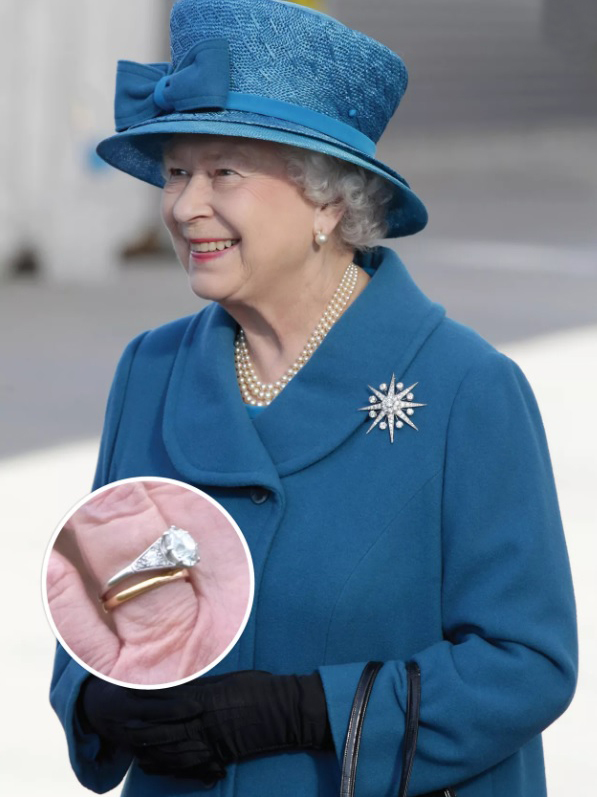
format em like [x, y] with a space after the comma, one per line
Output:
[388, 466]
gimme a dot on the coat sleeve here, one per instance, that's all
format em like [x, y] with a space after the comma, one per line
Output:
[506, 667]
[96, 766]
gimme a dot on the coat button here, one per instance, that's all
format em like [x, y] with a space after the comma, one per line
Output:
[259, 495]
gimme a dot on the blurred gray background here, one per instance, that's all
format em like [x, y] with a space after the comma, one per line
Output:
[497, 134]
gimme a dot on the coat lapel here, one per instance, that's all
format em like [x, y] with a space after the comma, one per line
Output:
[207, 430]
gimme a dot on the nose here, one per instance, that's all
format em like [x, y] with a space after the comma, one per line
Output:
[194, 201]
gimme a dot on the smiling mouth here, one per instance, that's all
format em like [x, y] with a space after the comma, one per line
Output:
[213, 246]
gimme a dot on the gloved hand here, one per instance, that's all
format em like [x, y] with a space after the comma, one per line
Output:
[234, 716]
[104, 708]
[111, 711]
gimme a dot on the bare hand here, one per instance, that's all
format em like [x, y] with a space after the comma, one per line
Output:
[171, 632]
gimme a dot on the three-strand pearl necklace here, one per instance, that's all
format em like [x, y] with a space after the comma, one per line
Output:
[260, 394]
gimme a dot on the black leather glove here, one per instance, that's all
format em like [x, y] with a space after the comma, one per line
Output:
[235, 716]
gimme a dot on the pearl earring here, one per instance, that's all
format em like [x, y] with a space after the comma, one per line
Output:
[321, 238]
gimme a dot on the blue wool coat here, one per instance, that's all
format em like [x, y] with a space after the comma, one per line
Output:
[445, 546]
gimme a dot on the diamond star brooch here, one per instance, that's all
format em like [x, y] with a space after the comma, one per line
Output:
[391, 407]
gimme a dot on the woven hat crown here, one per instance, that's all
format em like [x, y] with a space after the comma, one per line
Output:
[268, 70]
[286, 52]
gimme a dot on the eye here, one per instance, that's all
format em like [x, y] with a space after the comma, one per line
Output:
[225, 172]
[173, 173]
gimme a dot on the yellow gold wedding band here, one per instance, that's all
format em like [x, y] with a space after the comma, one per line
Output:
[144, 586]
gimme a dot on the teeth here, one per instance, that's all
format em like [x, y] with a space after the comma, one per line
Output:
[213, 246]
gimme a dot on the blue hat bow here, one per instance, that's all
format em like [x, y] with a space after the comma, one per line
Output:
[201, 80]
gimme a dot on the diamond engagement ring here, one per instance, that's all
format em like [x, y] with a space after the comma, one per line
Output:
[174, 549]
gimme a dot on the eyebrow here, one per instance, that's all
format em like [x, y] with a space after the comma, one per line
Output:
[238, 154]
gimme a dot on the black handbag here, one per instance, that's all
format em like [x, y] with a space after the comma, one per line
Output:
[411, 732]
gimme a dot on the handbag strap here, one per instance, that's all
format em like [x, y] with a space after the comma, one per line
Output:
[411, 725]
[355, 726]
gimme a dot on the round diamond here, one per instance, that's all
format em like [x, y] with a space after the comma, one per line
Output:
[410, 397]
[383, 386]
[388, 404]
[372, 399]
[179, 547]
[383, 425]
[410, 411]
[372, 413]
[399, 385]
[399, 424]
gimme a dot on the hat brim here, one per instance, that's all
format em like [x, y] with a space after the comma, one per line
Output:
[138, 152]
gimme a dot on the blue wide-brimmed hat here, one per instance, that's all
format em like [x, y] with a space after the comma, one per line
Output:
[269, 70]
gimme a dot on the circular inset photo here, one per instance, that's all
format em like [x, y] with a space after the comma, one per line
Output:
[148, 582]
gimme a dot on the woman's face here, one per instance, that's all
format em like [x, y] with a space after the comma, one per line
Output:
[233, 194]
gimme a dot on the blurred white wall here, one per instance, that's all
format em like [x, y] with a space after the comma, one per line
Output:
[61, 200]
[10, 89]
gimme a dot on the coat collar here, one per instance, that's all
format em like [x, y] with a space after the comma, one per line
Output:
[207, 430]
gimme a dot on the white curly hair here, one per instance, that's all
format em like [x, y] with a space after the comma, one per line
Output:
[326, 180]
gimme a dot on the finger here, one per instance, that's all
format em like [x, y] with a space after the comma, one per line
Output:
[187, 701]
[189, 756]
[114, 527]
[184, 701]
[150, 735]
[77, 617]
[165, 711]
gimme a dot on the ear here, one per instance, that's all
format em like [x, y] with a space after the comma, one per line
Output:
[327, 217]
